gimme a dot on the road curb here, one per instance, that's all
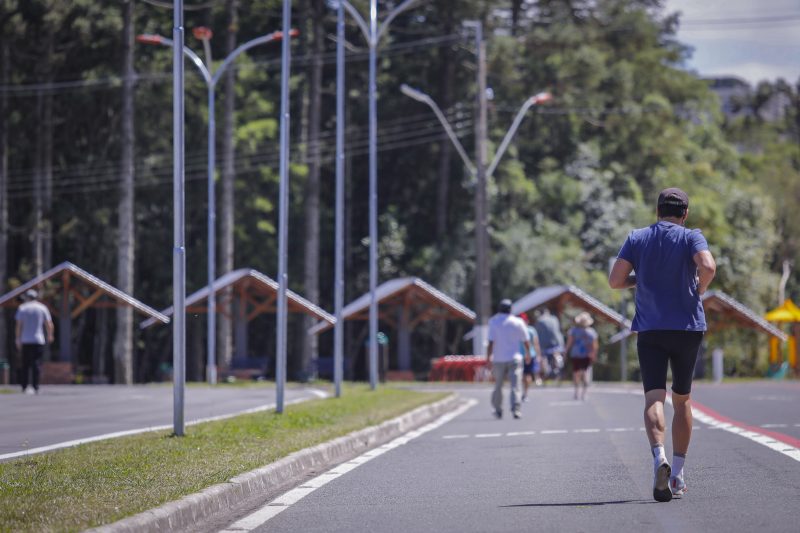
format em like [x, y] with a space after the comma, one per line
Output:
[191, 509]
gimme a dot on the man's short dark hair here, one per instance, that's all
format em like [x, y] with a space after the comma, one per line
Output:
[504, 306]
[670, 210]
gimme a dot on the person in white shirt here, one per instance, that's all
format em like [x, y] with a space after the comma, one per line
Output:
[33, 323]
[507, 334]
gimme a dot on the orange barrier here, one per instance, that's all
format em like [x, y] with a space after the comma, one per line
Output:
[459, 368]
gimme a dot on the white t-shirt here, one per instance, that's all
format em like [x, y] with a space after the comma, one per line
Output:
[33, 316]
[507, 332]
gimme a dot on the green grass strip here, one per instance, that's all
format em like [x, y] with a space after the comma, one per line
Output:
[101, 482]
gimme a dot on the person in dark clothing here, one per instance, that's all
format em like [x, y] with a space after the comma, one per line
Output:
[671, 267]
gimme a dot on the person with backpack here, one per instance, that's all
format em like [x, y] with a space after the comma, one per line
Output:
[582, 350]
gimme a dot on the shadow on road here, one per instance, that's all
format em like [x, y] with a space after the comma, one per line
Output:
[582, 504]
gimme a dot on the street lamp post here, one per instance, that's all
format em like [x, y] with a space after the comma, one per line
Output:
[178, 226]
[211, 80]
[481, 174]
[373, 32]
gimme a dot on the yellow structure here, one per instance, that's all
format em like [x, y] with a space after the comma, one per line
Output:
[788, 312]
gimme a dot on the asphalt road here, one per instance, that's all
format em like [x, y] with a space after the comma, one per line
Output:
[70, 412]
[566, 466]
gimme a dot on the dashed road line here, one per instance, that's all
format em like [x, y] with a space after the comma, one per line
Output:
[553, 431]
[456, 437]
[774, 425]
[488, 435]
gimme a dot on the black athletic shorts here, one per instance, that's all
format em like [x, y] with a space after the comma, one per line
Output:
[679, 349]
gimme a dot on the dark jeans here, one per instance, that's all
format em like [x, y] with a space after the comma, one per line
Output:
[31, 354]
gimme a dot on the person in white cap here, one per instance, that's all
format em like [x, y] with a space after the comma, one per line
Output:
[671, 267]
[34, 330]
[582, 350]
[507, 333]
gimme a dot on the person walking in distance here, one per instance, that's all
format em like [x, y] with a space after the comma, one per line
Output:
[34, 330]
[507, 335]
[532, 369]
[582, 350]
[551, 341]
[671, 267]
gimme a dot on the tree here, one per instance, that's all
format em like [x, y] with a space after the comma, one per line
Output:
[225, 347]
[123, 338]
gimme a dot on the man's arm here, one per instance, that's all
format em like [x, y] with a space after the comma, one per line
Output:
[527, 352]
[50, 329]
[18, 336]
[489, 349]
[537, 348]
[706, 269]
[620, 276]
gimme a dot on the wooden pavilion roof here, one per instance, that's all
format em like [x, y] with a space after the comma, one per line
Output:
[86, 289]
[425, 301]
[258, 290]
[562, 295]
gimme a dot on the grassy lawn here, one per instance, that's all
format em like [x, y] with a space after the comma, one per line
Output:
[97, 483]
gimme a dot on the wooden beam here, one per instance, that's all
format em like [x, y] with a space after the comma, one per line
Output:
[86, 303]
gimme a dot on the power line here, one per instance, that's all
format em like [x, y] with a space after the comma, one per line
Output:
[113, 82]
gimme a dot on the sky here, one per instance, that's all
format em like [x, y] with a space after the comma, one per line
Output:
[751, 39]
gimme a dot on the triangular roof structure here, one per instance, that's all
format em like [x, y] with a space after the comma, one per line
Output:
[723, 310]
[66, 272]
[561, 295]
[787, 312]
[250, 282]
[404, 291]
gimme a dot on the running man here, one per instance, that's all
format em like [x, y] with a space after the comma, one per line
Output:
[670, 267]
[532, 369]
[507, 336]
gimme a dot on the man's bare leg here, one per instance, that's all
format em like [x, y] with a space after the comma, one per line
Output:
[681, 423]
[654, 416]
[655, 427]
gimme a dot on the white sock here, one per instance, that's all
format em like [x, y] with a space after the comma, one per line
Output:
[677, 465]
[658, 454]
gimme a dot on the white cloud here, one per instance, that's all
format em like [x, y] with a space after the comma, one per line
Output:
[750, 51]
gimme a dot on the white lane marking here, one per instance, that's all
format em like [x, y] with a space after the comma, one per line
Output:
[275, 507]
[488, 435]
[587, 431]
[117, 434]
[456, 437]
[621, 429]
[774, 425]
[764, 440]
[519, 433]
[553, 431]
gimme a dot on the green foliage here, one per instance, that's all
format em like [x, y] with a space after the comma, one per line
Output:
[582, 171]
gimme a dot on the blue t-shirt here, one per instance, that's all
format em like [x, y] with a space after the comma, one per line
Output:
[532, 336]
[662, 256]
[582, 342]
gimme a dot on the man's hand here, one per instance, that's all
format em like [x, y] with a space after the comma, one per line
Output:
[706, 269]
[19, 345]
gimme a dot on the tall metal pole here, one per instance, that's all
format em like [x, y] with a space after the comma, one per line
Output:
[483, 294]
[338, 290]
[211, 363]
[373, 196]
[283, 216]
[178, 250]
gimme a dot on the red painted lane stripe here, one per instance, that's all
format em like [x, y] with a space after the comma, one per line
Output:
[791, 441]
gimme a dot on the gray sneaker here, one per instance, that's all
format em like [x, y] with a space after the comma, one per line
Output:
[661, 488]
[678, 486]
